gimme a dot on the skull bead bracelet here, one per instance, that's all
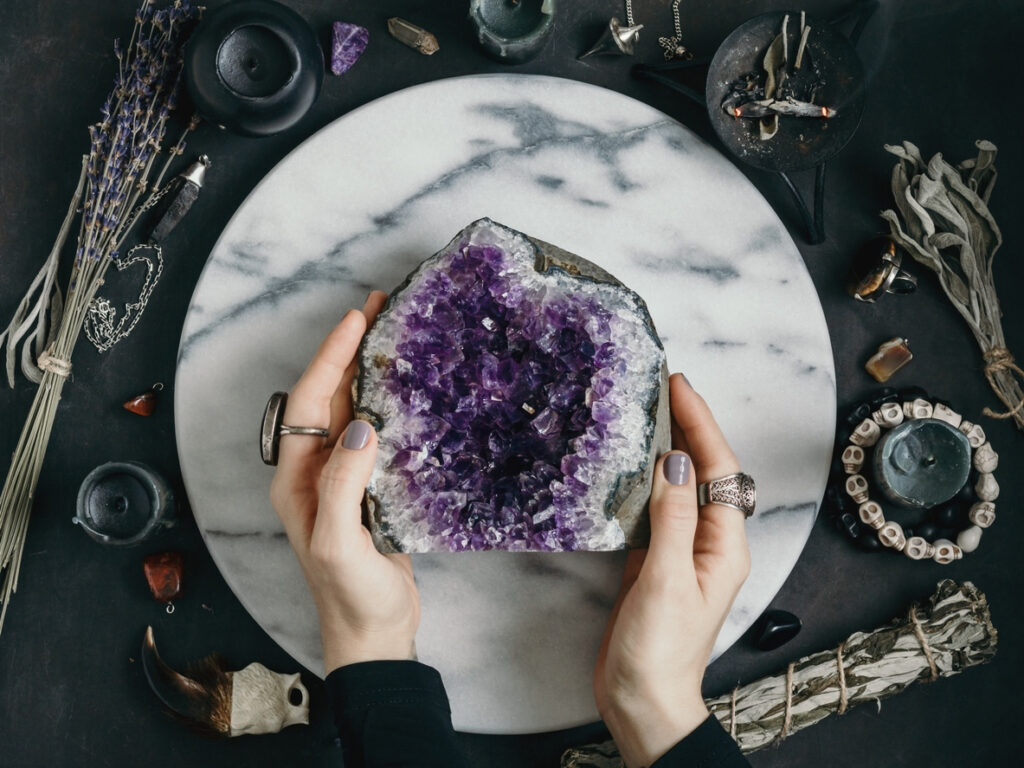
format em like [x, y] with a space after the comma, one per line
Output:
[963, 512]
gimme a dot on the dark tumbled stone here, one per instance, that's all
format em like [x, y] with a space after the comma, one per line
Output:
[848, 524]
[913, 393]
[949, 516]
[885, 395]
[966, 494]
[928, 531]
[775, 628]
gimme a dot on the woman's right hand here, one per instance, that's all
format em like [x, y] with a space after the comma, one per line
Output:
[675, 595]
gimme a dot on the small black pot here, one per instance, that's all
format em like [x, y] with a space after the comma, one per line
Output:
[254, 67]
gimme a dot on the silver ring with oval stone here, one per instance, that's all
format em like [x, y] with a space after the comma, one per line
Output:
[737, 491]
[273, 427]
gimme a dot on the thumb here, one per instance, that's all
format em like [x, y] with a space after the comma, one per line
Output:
[673, 512]
[343, 480]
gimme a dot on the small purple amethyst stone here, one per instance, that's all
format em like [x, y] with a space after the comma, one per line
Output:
[520, 396]
[348, 41]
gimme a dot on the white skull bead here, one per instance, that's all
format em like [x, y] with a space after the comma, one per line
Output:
[857, 488]
[985, 458]
[982, 514]
[866, 434]
[969, 538]
[889, 415]
[917, 409]
[870, 513]
[946, 551]
[891, 535]
[918, 548]
[975, 434]
[852, 458]
[946, 414]
[987, 488]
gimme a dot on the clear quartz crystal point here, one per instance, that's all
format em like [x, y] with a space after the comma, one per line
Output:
[415, 37]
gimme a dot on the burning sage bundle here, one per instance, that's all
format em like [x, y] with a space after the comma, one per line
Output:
[943, 221]
[115, 185]
[949, 634]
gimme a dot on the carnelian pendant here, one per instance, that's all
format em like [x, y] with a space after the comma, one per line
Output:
[144, 404]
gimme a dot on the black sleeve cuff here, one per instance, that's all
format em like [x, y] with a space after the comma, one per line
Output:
[374, 683]
[709, 746]
[393, 713]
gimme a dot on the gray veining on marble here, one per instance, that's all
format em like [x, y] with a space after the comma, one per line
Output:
[358, 205]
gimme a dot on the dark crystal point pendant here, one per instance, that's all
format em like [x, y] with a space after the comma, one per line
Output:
[775, 628]
[163, 574]
[144, 404]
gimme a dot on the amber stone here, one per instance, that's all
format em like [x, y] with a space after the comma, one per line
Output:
[163, 574]
[143, 404]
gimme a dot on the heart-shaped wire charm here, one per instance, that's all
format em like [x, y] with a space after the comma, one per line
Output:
[103, 327]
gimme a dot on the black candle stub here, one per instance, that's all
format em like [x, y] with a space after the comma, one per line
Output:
[123, 503]
[254, 67]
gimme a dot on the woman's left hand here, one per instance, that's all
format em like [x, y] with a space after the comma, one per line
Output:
[368, 604]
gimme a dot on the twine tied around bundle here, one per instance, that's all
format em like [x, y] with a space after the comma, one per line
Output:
[997, 360]
[54, 365]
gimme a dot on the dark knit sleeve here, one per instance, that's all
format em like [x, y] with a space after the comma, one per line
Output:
[393, 713]
[707, 747]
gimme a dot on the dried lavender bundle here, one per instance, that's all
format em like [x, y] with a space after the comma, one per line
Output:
[114, 187]
[951, 632]
[943, 221]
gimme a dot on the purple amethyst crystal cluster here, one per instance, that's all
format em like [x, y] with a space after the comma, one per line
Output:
[517, 400]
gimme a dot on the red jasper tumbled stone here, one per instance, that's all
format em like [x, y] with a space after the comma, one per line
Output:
[163, 574]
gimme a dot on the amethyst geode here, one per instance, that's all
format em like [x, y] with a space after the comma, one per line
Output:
[520, 397]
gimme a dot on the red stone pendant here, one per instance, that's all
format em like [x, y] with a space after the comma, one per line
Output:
[163, 574]
[143, 404]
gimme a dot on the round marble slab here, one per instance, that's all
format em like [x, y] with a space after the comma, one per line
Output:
[358, 205]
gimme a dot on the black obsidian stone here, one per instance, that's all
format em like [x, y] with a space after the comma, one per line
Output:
[909, 532]
[868, 541]
[835, 500]
[858, 414]
[775, 628]
[928, 531]
[884, 395]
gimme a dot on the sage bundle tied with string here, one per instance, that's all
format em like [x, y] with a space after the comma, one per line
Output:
[951, 632]
[943, 221]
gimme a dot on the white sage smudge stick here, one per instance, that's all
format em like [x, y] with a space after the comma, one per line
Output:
[951, 632]
[943, 221]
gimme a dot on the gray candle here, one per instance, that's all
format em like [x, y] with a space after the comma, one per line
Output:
[922, 463]
[123, 503]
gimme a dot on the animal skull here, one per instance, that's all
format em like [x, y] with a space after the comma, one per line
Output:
[871, 514]
[265, 702]
[982, 514]
[946, 414]
[985, 458]
[917, 409]
[987, 488]
[889, 415]
[918, 548]
[975, 434]
[891, 535]
[946, 551]
[857, 488]
[866, 434]
[853, 458]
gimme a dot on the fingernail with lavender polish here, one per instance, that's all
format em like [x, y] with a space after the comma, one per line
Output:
[356, 436]
[677, 468]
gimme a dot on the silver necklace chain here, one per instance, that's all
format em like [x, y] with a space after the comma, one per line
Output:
[674, 49]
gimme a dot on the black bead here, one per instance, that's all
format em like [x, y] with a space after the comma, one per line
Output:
[949, 516]
[908, 532]
[775, 628]
[848, 524]
[836, 470]
[966, 494]
[884, 395]
[913, 393]
[835, 500]
[868, 541]
[928, 531]
[858, 414]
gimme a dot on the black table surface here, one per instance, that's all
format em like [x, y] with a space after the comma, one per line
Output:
[943, 73]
